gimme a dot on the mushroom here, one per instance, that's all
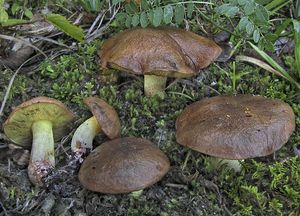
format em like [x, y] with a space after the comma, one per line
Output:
[123, 165]
[158, 53]
[235, 127]
[38, 123]
[104, 118]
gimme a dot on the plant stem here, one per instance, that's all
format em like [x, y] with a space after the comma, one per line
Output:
[42, 153]
[154, 85]
[84, 135]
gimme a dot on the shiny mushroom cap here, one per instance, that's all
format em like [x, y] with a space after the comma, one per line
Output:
[106, 116]
[235, 127]
[17, 127]
[161, 51]
[123, 165]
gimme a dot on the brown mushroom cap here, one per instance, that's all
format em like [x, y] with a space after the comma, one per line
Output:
[123, 165]
[17, 127]
[161, 51]
[106, 115]
[235, 127]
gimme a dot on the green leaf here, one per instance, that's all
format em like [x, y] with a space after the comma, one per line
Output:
[190, 10]
[150, 15]
[3, 16]
[145, 5]
[28, 13]
[114, 2]
[135, 20]
[256, 35]
[168, 14]
[15, 8]
[249, 28]
[228, 10]
[242, 2]
[64, 25]
[144, 19]
[157, 16]
[179, 14]
[261, 14]
[249, 8]
[131, 8]
[128, 21]
[296, 25]
[275, 65]
[243, 23]
[11, 22]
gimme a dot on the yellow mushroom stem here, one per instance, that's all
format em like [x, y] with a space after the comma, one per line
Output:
[42, 159]
[154, 85]
[84, 135]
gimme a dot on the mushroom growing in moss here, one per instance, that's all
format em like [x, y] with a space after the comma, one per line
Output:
[235, 127]
[104, 118]
[123, 165]
[158, 53]
[38, 123]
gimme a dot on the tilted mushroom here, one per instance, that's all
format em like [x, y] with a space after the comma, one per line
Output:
[104, 118]
[38, 123]
[235, 127]
[158, 53]
[123, 165]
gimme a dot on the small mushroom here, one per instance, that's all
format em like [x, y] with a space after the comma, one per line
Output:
[104, 118]
[123, 165]
[235, 127]
[158, 53]
[38, 123]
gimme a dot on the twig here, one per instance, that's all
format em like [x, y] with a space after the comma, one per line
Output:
[6, 37]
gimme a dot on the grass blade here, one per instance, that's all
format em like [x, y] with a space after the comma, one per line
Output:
[275, 65]
[297, 44]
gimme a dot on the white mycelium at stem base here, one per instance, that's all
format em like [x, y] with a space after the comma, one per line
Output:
[84, 135]
[42, 153]
[154, 85]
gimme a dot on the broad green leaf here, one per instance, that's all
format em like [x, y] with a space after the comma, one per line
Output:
[15, 8]
[168, 14]
[128, 21]
[261, 14]
[249, 28]
[135, 20]
[223, 8]
[150, 15]
[256, 35]
[232, 11]
[157, 16]
[190, 10]
[3, 16]
[144, 4]
[243, 23]
[179, 14]
[144, 19]
[64, 25]
[11, 22]
[249, 8]
[28, 13]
